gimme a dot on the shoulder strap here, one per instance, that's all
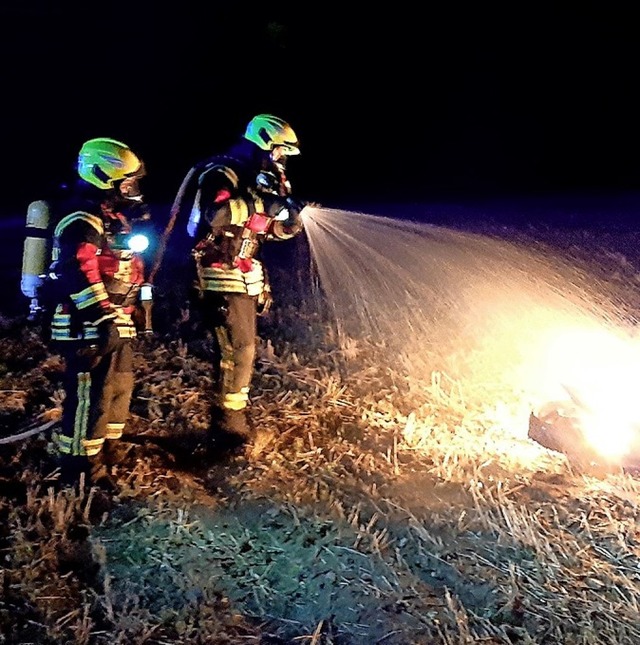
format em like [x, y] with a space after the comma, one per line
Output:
[93, 220]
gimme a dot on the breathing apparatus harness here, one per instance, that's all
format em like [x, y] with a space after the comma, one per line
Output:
[40, 282]
[236, 246]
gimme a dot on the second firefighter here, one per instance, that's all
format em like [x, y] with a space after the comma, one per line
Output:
[242, 199]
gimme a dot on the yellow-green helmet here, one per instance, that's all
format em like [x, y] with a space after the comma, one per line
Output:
[102, 162]
[268, 131]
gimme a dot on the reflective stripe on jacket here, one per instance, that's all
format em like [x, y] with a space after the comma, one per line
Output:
[233, 280]
[96, 282]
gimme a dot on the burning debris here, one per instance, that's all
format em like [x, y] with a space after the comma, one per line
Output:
[571, 428]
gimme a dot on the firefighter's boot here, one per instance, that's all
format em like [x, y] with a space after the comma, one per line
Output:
[74, 471]
[100, 474]
[230, 431]
[115, 453]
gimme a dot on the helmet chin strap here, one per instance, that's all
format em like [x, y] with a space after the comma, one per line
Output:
[114, 202]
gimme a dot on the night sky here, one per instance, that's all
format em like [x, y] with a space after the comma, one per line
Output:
[390, 103]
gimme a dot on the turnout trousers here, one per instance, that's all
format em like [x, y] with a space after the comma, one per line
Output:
[98, 395]
[232, 320]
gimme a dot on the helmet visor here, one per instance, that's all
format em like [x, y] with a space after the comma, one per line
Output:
[289, 149]
[281, 150]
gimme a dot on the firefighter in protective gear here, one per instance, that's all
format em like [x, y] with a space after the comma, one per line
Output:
[96, 282]
[242, 199]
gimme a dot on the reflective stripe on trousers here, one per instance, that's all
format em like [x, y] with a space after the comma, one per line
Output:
[97, 399]
[233, 320]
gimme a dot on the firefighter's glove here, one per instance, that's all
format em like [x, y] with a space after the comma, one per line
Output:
[268, 182]
[289, 215]
[265, 300]
[108, 338]
[288, 221]
[295, 206]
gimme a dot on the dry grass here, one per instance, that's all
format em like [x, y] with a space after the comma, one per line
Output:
[372, 509]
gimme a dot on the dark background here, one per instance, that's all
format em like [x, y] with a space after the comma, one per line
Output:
[389, 102]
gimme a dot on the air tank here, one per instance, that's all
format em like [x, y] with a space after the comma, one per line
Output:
[36, 251]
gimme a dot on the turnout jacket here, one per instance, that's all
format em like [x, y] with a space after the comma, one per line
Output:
[96, 281]
[237, 206]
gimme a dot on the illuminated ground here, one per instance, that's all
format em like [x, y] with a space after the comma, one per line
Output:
[379, 506]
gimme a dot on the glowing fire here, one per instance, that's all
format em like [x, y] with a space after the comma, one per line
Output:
[600, 370]
[610, 434]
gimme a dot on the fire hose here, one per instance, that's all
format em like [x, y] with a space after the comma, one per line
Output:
[29, 433]
[173, 215]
